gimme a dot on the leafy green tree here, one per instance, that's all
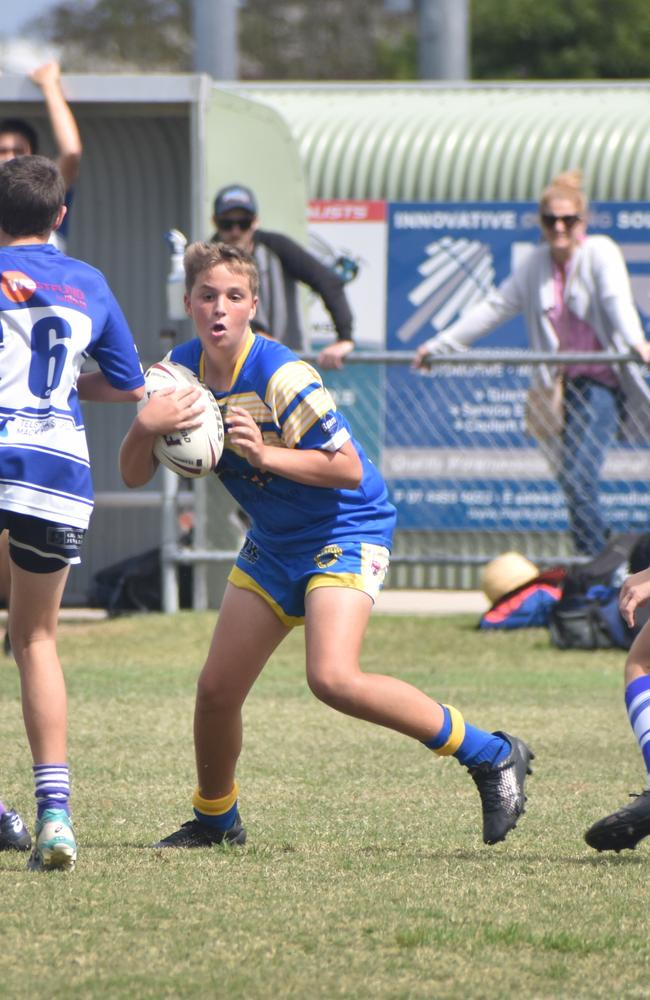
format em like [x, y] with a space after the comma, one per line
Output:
[560, 39]
[348, 40]
[108, 35]
[279, 39]
[323, 40]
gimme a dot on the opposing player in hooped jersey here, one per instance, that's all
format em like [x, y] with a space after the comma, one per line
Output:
[317, 553]
[55, 312]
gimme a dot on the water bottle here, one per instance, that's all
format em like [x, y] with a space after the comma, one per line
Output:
[176, 242]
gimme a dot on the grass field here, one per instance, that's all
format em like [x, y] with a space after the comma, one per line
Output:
[365, 874]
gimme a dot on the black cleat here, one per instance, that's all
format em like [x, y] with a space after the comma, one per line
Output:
[6, 642]
[14, 835]
[195, 834]
[501, 787]
[623, 828]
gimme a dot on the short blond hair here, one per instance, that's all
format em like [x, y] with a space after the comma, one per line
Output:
[201, 256]
[566, 185]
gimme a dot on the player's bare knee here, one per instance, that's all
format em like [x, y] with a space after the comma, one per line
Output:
[635, 667]
[213, 696]
[333, 689]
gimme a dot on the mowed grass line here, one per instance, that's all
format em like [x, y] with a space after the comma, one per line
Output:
[365, 874]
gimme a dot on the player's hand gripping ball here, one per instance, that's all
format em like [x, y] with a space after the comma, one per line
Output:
[190, 453]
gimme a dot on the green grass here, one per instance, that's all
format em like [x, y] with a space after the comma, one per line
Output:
[365, 874]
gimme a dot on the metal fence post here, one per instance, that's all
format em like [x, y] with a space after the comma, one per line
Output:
[169, 531]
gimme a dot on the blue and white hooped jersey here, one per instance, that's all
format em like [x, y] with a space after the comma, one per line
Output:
[287, 399]
[55, 312]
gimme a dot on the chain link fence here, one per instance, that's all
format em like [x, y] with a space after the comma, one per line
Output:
[467, 477]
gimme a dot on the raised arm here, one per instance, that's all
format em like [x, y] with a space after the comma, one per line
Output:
[62, 121]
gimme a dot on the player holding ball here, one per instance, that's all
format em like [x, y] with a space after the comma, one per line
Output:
[316, 554]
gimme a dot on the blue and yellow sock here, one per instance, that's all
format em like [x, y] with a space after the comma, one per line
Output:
[637, 702]
[52, 787]
[469, 745]
[217, 813]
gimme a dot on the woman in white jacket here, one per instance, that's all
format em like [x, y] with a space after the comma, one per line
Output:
[574, 292]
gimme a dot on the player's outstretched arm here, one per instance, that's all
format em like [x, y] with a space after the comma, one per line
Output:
[62, 121]
[166, 411]
[635, 592]
[339, 470]
[94, 387]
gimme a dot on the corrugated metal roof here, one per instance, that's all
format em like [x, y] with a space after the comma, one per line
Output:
[466, 143]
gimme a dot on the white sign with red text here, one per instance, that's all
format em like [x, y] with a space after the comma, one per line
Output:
[351, 237]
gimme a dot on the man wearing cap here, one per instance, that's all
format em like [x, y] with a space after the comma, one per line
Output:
[282, 264]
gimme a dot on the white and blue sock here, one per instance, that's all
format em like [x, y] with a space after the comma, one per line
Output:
[637, 702]
[52, 784]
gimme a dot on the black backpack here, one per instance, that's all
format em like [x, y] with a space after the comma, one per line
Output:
[134, 584]
[587, 615]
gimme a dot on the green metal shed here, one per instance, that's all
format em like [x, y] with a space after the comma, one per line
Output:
[468, 142]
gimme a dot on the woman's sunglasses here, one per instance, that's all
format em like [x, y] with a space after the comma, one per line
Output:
[568, 220]
[243, 223]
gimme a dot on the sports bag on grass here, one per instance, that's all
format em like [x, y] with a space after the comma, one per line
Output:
[527, 606]
[134, 584]
[590, 621]
[587, 616]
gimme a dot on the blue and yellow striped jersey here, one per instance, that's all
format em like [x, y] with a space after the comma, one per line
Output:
[292, 408]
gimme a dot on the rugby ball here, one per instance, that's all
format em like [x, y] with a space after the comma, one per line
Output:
[190, 453]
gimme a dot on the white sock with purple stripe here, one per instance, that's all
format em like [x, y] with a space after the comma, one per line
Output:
[52, 783]
[637, 701]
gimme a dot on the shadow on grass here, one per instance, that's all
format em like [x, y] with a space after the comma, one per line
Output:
[493, 853]
[488, 853]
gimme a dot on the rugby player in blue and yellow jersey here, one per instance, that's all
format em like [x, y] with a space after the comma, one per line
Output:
[55, 312]
[316, 553]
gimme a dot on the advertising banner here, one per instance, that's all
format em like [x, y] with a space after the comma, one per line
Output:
[351, 237]
[458, 458]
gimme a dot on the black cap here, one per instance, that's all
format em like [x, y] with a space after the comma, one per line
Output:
[235, 196]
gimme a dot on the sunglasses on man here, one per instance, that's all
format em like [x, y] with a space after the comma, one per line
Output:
[226, 225]
[569, 221]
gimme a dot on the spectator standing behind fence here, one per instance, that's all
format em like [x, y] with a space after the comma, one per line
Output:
[283, 265]
[574, 292]
[54, 313]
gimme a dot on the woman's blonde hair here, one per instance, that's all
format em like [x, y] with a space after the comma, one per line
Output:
[566, 185]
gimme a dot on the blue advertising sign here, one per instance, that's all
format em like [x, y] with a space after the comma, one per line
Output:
[459, 457]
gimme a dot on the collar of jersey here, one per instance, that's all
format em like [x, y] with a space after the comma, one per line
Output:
[250, 340]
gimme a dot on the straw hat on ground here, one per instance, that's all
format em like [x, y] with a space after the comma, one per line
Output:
[506, 573]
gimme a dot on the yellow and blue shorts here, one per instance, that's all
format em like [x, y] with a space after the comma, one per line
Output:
[284, 580]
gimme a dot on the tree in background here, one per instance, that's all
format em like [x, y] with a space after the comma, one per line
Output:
[560, 39]
[279, 39]
[347, 40]
[325, 40]
[103, 36]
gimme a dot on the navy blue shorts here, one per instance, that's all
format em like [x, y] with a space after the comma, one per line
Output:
[41, 546]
